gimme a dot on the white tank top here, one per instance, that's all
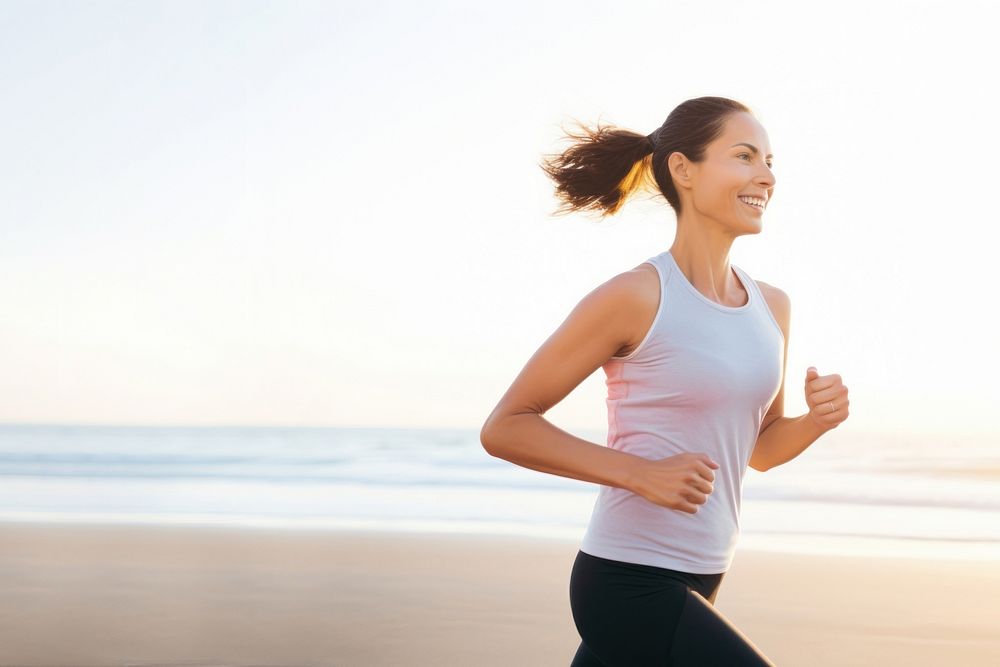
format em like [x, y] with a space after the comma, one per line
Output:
[701, 380]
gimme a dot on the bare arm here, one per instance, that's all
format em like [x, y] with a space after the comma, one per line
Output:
[555, 451]
[518, 432]
[598, 327]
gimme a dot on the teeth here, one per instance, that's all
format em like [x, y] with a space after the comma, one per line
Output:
[755, 201]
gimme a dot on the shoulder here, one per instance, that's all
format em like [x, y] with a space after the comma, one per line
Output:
[778, 301]
[627, 303]
[617, 299]
[773, 294]
[637, 286]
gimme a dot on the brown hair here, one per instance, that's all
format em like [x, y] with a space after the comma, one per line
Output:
[605, 165]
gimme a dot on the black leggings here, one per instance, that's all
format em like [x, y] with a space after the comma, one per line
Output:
[632, 615]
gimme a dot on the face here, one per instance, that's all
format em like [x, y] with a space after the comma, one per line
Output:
[731, 171]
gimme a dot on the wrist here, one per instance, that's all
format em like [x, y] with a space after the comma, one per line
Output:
[630, 466]
[818, 427]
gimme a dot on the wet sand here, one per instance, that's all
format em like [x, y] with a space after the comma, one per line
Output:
[115, 595]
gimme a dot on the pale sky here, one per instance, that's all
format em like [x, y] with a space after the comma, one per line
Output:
[269, 213]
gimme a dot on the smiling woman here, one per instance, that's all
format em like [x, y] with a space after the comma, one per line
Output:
[694, 352]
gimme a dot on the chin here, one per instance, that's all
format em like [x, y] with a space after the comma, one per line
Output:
[745, 229]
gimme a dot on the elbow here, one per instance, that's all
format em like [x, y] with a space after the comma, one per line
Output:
[485, 438]
[497, 436]
[758, 464]
[488, 437]
[502, 434]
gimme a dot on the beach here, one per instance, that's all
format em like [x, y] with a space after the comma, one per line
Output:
[79, 594]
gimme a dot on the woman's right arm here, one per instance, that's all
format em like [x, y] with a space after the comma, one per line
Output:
[593, 332]
[614, 315]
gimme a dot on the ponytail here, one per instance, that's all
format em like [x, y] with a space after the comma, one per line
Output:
[601, 169]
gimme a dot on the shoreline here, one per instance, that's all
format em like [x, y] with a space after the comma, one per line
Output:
[860, 546]
[100, 594]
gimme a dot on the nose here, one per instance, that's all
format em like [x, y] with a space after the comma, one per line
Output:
[766, 177]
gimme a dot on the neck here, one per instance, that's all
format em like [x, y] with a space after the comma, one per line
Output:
[705, 263]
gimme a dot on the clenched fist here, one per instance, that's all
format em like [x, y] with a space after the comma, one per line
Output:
[681, 482]
[826, 396]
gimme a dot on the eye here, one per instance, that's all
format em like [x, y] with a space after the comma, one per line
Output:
[770, 165]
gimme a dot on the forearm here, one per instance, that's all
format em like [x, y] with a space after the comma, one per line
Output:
[783, 440]
[531, 441]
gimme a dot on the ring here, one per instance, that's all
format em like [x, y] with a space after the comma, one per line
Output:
[833, 408]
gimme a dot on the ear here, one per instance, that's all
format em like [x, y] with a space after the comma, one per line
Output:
[680, 168]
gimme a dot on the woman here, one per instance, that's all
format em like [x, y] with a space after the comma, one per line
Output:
[694, 351]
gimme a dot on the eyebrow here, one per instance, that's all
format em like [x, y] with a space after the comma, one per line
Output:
[751, 147]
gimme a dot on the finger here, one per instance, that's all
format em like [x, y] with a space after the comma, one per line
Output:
[822, 414]
[826, 413]
[819, 383]
[833, 389]
[694, 496]
[824, 381]
[699, 483]
[817, 397]
[704, 471]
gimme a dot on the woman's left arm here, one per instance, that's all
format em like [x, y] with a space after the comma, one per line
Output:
[782, 438]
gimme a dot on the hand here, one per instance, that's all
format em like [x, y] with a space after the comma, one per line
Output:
[823, 393]
[680, 482]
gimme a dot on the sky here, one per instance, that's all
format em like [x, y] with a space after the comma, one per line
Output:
[333, 214]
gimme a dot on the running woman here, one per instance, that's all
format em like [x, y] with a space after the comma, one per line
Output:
[694, 351]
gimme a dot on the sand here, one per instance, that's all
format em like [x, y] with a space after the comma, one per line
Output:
[119, 595]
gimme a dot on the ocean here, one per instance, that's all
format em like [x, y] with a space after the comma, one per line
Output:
[849, 493]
